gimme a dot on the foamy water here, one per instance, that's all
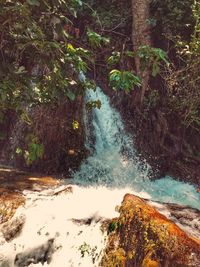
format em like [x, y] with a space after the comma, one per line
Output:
[63, 230]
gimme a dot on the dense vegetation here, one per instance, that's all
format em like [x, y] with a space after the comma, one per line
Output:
[177, 97]
[41, 58]
[45, 45]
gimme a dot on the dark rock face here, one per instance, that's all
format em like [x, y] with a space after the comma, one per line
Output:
[144, 237]
[41, 254]
[64, 146]
[52, 126]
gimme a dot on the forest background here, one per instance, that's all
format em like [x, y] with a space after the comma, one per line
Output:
[144, 54]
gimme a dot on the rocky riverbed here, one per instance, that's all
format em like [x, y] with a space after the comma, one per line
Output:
[45, 222]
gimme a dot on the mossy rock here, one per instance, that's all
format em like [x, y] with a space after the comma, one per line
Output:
[148, 239]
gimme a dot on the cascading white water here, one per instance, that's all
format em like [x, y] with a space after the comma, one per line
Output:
[114, 161]
[65, 230]
[59, 231]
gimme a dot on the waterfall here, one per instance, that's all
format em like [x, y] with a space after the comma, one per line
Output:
[114, 161]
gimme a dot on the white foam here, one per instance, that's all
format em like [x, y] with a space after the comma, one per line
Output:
[63, 218]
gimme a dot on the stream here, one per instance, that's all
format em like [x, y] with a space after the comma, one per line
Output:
[65, 230]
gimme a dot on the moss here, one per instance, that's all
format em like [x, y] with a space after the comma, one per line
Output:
[112, 227]
[147, 238]
[147, 262]
[115, 258]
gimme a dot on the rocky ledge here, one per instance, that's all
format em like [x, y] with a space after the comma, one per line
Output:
[143, 237]
[12, 185]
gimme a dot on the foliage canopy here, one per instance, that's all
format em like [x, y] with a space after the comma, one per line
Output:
[38, 62]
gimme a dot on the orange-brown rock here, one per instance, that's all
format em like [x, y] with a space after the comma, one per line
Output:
[14, 180]
[12, 185]
[146, 238]
[9, 202]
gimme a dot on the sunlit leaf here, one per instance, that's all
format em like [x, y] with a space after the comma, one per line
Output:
[75, 125]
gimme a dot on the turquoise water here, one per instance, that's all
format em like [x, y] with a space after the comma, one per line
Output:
[114, 162]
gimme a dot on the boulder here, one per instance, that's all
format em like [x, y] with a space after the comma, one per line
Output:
[144, 237]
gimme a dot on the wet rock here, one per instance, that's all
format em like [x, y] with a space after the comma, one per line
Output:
[9, 202]
[64, 191]
[12, 181]
[187, 218]
[4, 262]
[41, 254]
[13, 228]
[13, 184]
[144, 237]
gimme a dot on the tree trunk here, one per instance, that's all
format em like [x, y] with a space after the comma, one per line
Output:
[141, 36]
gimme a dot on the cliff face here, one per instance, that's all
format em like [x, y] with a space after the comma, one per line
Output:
[63, 145]
[144, 237]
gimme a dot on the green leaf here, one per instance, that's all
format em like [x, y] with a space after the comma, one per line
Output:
[112, 227]
[19, 151]
[81, 65]
[114, 59]
[124, 80]
[155, 69]
[70, 95]
[70, 48]
[75, 125]
[35, 151]
[96, 39]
